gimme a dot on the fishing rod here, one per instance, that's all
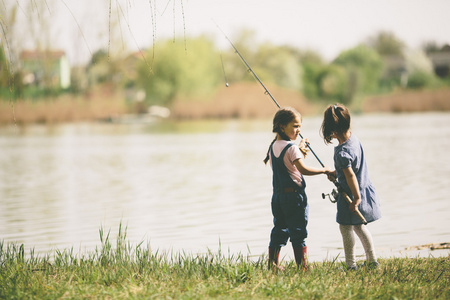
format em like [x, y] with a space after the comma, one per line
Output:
[334, 193]
[266, 90]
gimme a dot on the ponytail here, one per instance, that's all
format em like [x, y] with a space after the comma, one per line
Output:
[268, 151]
[336, 120]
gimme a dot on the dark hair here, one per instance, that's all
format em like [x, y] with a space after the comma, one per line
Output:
[336, 120]
[284, 116]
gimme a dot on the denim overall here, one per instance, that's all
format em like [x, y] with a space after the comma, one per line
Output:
[289, 206]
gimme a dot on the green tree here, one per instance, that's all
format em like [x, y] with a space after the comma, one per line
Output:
[332, 83]
[431, 47]
[363, 67]
[10, 81]
[102, 68]
[386, 43]
[278, 65]
[420, 72]
[313, 67]
[182, 68]
[419, 80]
[5, 73]
[392, 51]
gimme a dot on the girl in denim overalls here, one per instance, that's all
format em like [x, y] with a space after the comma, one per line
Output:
[289, 201]
[353, 177]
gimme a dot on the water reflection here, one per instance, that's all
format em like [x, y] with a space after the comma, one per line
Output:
[193, 186]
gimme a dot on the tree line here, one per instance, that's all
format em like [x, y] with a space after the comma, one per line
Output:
[194, 67]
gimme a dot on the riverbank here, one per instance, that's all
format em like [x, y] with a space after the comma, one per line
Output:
[240, 100]
[98, 105]
[409, 101]
[125, 271]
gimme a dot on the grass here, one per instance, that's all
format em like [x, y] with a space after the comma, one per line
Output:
[126, 271]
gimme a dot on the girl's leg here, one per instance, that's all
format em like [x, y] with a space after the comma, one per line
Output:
[274, 256]
[278, 236]
[348, 238]
[295, 210]
[367, 242]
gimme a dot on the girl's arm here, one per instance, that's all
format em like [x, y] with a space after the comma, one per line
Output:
[332, 175]
[352, 182]
[305, 170]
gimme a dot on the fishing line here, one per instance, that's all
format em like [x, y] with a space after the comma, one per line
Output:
[168, 2]
[223, 69]
[9, 69]
[184, 25]
[132, 36]
[174, 31]
[120, 24]
[79, 27]
[153, 14]
[109, 28]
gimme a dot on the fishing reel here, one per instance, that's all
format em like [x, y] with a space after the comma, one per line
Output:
[332, 197]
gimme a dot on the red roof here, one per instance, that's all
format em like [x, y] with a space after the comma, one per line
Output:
[38, 55]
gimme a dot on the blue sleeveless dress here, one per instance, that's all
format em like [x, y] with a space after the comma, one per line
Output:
[351, 154]
[289, 206]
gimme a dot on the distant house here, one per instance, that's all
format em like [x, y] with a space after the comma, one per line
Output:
[395, 67]
[441, 63]
[50, 69]
[400, 67]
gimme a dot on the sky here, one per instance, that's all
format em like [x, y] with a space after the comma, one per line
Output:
[325, 26]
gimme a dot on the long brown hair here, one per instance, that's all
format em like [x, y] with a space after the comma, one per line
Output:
[336, 120]
[283, 117]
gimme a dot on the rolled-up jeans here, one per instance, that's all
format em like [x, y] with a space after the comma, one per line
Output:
[290, 218]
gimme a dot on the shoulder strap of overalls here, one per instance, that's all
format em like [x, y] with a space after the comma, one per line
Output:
[282, 152]
[281, 178]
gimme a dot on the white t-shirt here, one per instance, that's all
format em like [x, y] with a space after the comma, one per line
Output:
[292, 153]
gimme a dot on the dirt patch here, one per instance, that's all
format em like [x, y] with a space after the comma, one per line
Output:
[434, 246]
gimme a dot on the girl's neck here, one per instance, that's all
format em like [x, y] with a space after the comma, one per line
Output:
[281, 138]
[342, 138]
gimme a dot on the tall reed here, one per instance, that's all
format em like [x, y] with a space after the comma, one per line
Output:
[121, 270]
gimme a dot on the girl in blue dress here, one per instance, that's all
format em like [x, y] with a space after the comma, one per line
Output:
[289, 201]
[352, 175]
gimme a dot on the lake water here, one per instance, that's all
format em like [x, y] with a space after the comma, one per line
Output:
[202, 186]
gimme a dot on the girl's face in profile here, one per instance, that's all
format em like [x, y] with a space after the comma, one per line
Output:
[292, 130]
